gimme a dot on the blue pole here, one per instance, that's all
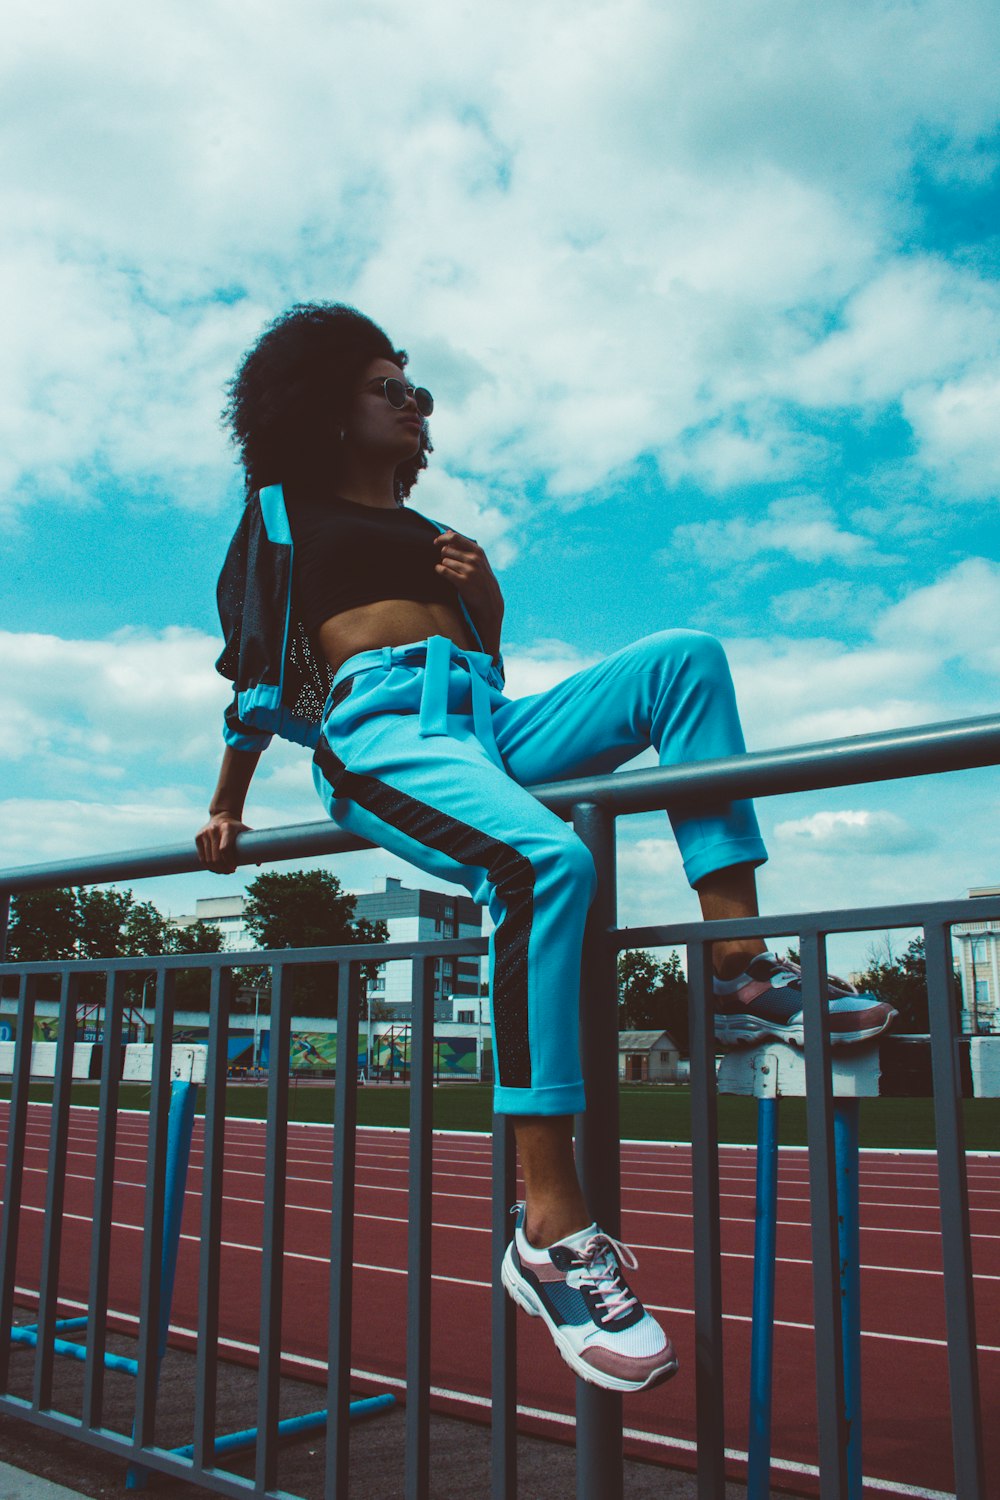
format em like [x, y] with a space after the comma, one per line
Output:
[762, 1322]
[232, 1442]
[180, 1129]
[69, 1350]
[846, 1114]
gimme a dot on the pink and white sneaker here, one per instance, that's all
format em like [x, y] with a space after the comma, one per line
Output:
[766, 1001]
[600, 1327]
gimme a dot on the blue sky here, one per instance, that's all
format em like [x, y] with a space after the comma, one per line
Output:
[708, 300]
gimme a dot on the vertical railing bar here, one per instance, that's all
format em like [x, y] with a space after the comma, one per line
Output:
[104, 1188]
[210, 1260]
[706, 1233]
[55, 1186]
[418, 1291]
[956, 1244]
[503, 1313]
[17, 1129]
[4, 924]
[823, 1199]
[338, 1401]
[149, 1354]
[762, 1303]
[599, 1452]
[272, 1259]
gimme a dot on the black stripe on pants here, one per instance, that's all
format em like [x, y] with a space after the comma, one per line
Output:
[509, 871]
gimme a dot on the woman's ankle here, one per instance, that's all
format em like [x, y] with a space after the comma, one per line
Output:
[546, 1227]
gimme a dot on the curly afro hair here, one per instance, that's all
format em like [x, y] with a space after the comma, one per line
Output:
[293, 387]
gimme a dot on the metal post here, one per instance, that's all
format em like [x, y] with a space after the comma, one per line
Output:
[272, 1259]
[17, 1125]
[846, 1116]
[599, 1412]
[338, 1398]
[100, 1246]
[956, 1243]
[762, 1324]
[823, 1197]
[709, 1361]
[503, 1318]
[55, 1190]
[418, 1298]
[211, 1222]
[154, 1317]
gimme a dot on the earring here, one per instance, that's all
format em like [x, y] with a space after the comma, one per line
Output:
[343, 434]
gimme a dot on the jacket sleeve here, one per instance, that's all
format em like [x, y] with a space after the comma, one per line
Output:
[240, 736]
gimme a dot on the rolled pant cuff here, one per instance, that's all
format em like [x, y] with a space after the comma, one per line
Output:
[560, 1099]
[720, 856]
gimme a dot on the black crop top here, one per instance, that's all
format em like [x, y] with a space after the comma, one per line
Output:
[347, 554]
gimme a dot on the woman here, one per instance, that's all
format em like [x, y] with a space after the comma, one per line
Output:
[359, 627]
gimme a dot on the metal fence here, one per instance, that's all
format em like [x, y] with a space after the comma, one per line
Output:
[593, 806]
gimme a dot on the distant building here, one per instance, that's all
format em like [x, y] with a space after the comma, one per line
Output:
[976, 947]
[225, 914]
[412, 915]
[647, 1057]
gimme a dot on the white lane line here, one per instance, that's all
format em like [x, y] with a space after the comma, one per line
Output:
[684, 1312]
[445, 1226]
[467, 1398]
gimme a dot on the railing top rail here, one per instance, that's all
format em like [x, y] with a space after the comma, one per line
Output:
[921, 750]
[261, 958]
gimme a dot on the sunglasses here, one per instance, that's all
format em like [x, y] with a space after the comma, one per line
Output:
[397, 392]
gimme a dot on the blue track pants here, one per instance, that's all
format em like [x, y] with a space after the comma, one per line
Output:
[421, 752]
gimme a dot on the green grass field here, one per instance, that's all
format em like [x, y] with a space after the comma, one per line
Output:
[648, 1112]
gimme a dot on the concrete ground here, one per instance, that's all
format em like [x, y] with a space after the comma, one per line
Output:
[45, 1466]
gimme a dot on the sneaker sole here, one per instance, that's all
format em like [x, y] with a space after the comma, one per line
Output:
[523, 1295]
[746, 1031]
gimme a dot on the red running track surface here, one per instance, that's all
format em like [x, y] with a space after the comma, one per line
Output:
[906, 1425]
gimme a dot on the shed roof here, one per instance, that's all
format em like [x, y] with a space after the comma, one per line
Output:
[644, 1041]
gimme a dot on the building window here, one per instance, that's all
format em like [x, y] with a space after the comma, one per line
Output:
[979, 951]
[664, 1057]
[982, 992]
[466, 1018]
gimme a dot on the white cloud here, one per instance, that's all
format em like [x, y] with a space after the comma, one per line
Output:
[134, 694]
[955, 617]
[852, 832]
[797, 692]
[828, 601]
[956, 427]
[919, 319]
[651, 217]
[535, 668]
[802, 527]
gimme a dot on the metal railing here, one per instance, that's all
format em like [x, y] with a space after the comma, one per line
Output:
[593, 805]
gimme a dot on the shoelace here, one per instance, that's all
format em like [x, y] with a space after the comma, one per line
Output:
[604, 1273]
[787, 972]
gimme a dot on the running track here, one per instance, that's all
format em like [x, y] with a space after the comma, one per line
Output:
[906, 1421]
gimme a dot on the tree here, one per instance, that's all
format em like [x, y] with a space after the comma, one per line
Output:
[146, 930]
[43, 925]
[193, 986]
[101, 917]
[902, 982]
[308, 909]
[653, 996]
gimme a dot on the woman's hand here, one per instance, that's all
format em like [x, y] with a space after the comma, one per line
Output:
[463, 562]
[217, 842]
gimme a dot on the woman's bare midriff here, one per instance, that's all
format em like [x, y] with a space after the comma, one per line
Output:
[390, 622]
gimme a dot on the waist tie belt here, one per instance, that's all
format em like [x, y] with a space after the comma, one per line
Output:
[438, 654]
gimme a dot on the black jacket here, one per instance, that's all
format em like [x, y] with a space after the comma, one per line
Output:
[280, 683]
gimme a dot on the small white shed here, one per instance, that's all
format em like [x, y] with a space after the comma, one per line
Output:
[647, 1057]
